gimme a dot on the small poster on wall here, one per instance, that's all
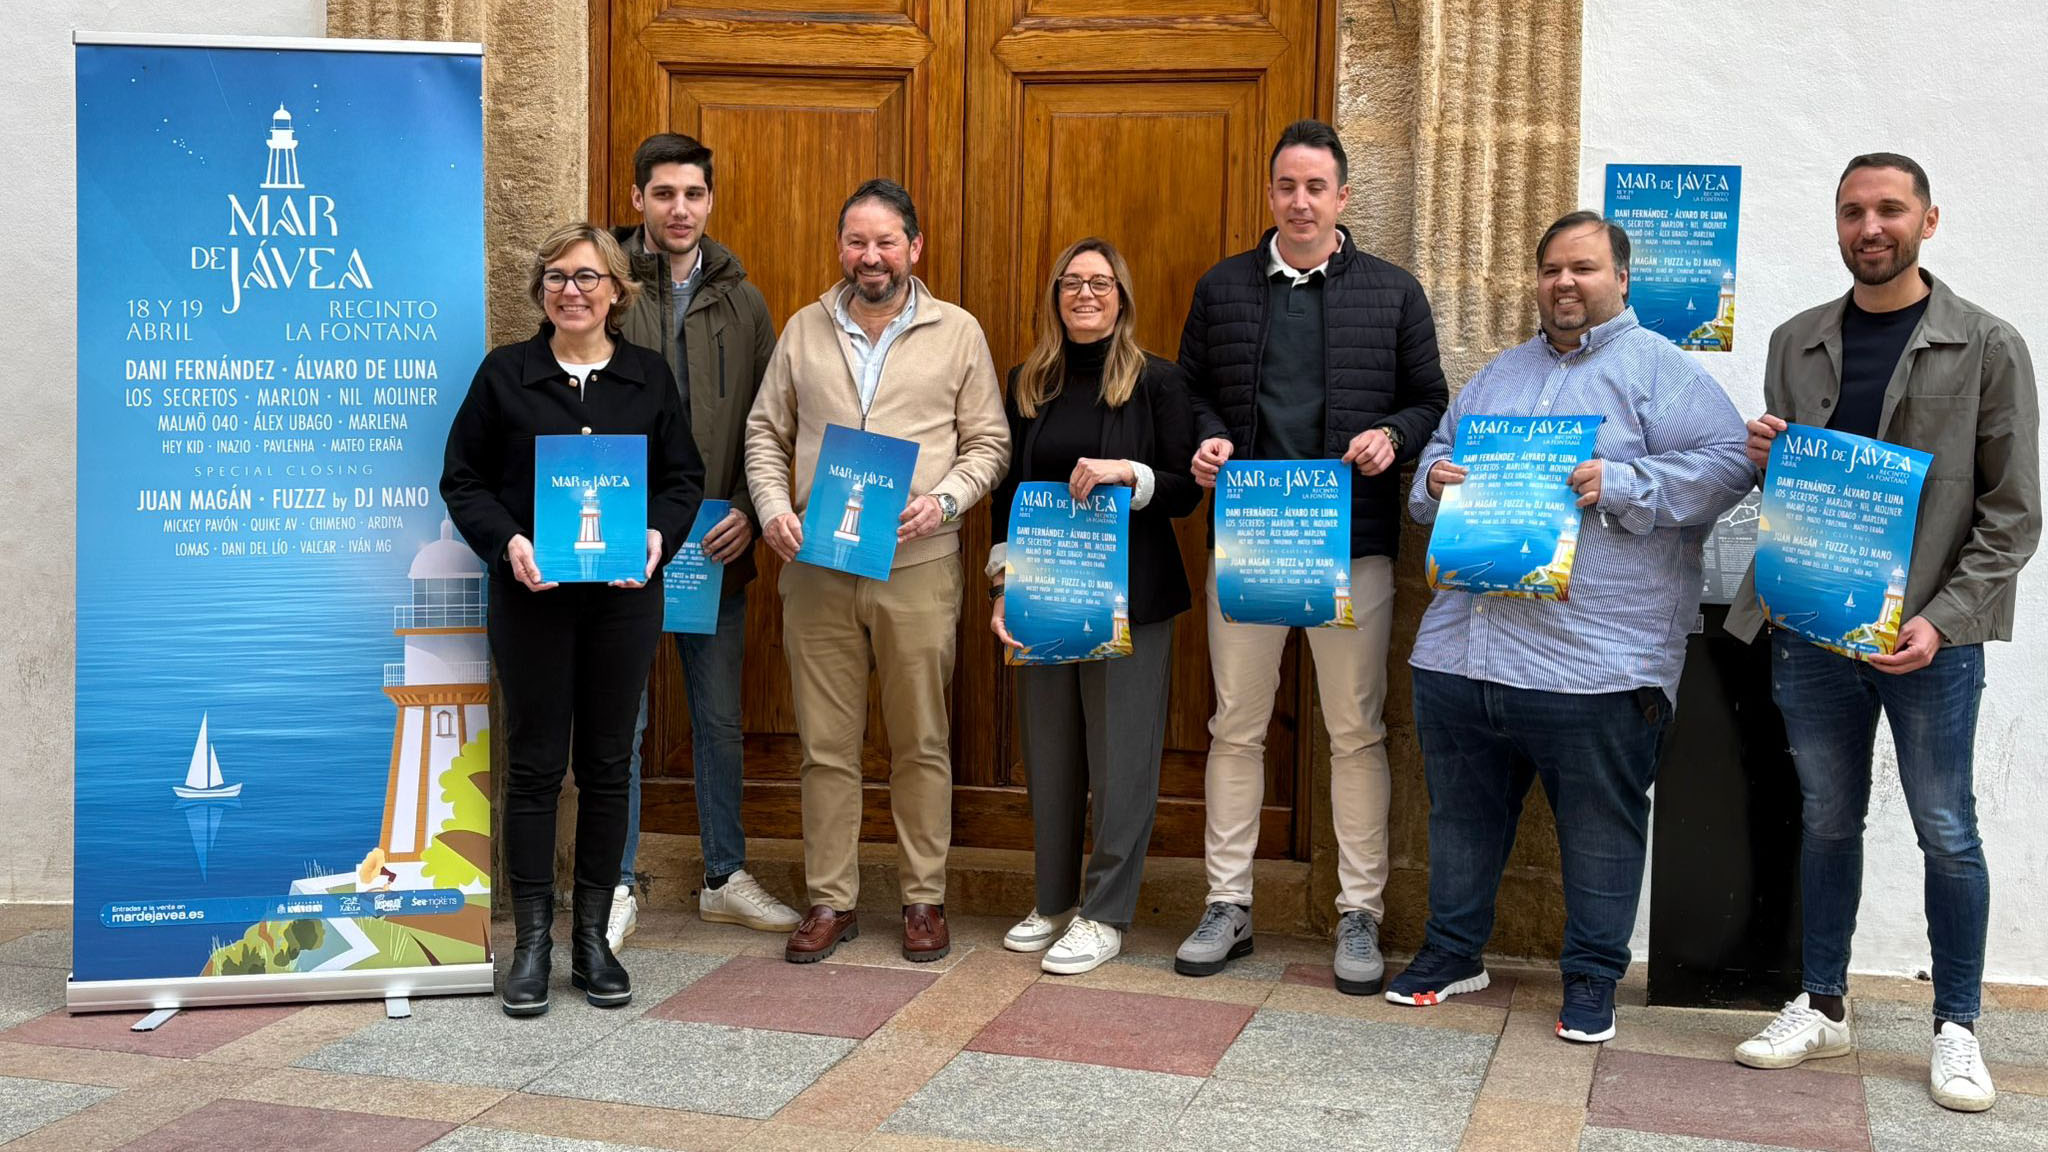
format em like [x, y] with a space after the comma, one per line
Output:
[1681, 224]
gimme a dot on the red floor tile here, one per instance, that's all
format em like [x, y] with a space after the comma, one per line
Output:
[193, 1032]
[1118, 1029]
[1499, 994]
[247, 1124]
[847, 1000]
[1722, 1100]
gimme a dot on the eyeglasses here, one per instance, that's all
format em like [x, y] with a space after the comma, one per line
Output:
[586, 280]
[1099, 285]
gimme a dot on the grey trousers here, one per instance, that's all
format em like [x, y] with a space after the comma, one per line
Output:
[1095, 727]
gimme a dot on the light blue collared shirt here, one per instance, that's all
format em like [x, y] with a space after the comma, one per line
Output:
[868, 356]
[1672, 448]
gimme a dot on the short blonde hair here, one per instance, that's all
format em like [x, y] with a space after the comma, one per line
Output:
[616, 264]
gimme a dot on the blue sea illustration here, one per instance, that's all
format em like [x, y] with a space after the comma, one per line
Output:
[1512, 527]
[590, 508]
[1682, 223]
[1283, 543]
[1067, 574]
[858, 493]
[692, 581]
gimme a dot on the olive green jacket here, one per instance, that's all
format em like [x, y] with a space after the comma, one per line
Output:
[1963, 391]
[727, 339]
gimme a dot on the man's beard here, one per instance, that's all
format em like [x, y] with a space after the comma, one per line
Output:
[882, 295]
[1903, 257]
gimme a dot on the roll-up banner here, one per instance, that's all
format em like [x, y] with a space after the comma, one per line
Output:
[283, 755]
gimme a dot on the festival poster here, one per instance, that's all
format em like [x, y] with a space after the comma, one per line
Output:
[1066, 577]
[1835, 538]
[691, 582]
[1681, 223]
[1283, 543]
[1512, 527]
[858, 493]
[281, 747]
[590, 508]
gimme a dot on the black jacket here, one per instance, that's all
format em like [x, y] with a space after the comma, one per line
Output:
[1155, 429]
[1380, 363]
[521, 392]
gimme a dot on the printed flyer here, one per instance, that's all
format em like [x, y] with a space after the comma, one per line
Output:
[1835, 537]
[858, 493]
[283, 767]
[691, 582]
[1512, 527]
[590, 508]
[1681, 223]
[1066, 582]
[1283, 543]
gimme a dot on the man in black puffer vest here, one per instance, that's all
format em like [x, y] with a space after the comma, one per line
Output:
[1306, 348]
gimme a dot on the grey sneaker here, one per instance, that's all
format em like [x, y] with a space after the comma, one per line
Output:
[1359, 968]
[1224, 934]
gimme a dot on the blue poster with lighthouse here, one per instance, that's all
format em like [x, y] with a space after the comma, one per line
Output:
[1682, 221]
[858, 493]
[1067, 576]
[1834, 537]
[590, 508]
[1512, 527]
[1283, 543]
[282, 749]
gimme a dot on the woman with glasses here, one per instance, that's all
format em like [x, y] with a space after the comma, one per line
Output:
[571, 658]
[1089, 408]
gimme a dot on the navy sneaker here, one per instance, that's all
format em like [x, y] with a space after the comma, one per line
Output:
[1435, 974]
[1588, 1013]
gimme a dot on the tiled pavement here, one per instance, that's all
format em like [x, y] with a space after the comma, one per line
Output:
[727, 1047]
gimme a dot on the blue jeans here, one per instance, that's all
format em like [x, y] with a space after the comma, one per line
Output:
[1482, 744]
[1831, 704]
[711, 677]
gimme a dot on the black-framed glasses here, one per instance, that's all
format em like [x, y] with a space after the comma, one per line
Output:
[585, 279]
[1099, 285]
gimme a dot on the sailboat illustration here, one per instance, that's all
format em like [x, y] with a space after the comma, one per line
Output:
[1850, 602]
[202, 778]
[1525, 547]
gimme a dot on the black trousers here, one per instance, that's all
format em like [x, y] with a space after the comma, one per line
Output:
[572, 662]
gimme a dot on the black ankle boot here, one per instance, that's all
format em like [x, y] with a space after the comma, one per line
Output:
[592, 967]
[526, 984]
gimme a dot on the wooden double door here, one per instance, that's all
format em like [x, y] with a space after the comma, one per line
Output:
[1018, 126]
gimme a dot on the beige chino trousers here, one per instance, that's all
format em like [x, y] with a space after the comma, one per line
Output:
[835, 628]
[1351, 681]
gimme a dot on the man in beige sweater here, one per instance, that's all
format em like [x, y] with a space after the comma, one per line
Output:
[877, 352]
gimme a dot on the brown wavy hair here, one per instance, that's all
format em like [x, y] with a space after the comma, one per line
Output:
[1045, 369]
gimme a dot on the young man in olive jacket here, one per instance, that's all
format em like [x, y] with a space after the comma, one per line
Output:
[700, 312]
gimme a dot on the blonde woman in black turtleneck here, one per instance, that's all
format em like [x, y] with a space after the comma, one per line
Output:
[1089, 408]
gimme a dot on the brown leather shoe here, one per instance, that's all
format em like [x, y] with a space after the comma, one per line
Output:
[924, 932]
[819, 933]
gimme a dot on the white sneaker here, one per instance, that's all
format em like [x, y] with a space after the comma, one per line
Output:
[1957, 1076]
[744, 901]
[624, 918]
[1800, 1033]
[1036, 932]
[1087, 945]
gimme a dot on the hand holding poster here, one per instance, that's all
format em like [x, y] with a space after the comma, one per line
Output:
[858, 493]
[692, 581]
[1066, 584]
[1836, 537]
[590, 508]
[1283, 543]
[1512, 527]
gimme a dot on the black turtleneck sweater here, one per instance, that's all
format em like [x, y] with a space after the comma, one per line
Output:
[1070, 424]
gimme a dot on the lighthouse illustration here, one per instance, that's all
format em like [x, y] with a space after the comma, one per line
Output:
[1120, 624]
[589, 535]
[283, 171]
[442, 689]
[849, 518]
[1342, 616]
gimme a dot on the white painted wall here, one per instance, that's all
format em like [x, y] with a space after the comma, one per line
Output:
[1791, 92]
[38, 449]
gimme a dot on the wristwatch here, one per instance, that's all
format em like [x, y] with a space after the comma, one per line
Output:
[949, 508]
[1393, 435]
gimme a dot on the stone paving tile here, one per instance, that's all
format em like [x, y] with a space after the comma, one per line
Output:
[504, 1140]
[1455, 1016]
[77, 1066]
[862, 1090]
[2007, 1037]
[602, 1120]
[1903, 1118]
[1502, 1125]
[1303, 1049]
[416, 1099]
[748, 1072]
[1118, 1029]
[965, 999]
[1531, 1065]
[1162, 980]
[902, 1142]
[881, 946]
[229, 1123]
[470, 1040]
[1723, 1100]
[781, 1137]
[22, 919]
[1911, 1068]
[848, 1000]
[1049, 1104]
[1239, 1116]
[26, 993]
[303, 1032]
[193, 1032]
[1498, 994]
[1625, 1140]
[125, 1116]
[49, 948]
[26, 1105]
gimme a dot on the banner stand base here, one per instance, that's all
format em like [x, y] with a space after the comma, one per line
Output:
[154, 1020]
[387, 984]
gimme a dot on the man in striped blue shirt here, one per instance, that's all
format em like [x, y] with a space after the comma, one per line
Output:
[1578, 692]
